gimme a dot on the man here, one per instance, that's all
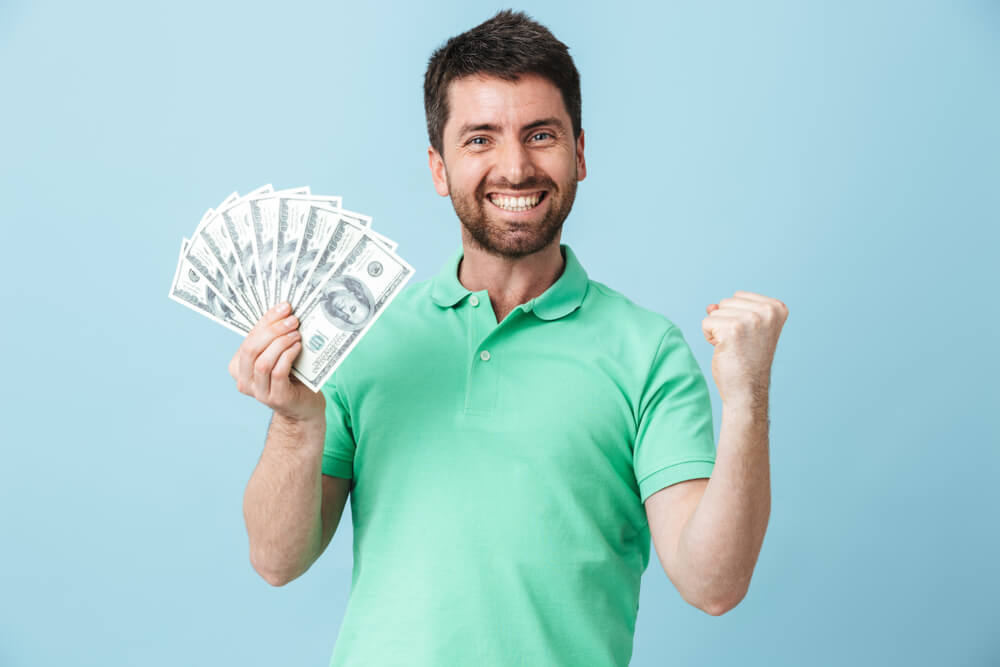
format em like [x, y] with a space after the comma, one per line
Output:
[511, 433]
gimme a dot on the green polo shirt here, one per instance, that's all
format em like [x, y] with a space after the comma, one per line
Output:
[500, 470]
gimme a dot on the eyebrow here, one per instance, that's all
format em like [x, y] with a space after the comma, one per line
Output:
[486, 127]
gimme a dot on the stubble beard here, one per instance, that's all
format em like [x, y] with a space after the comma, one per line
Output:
[495, 236]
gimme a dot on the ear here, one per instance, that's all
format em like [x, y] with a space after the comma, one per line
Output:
[438, 171]
[581, 164]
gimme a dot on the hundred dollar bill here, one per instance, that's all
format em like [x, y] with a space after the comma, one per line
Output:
[264, 214]
[338, 231]
[239, 226]
[191, 289]
[227, 202]
[238, 220]
[293, 211]
[353, 297]
[318, 227]
[203, 261]
[211, 243]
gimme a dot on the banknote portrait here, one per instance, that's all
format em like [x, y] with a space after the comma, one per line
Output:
[347, 303]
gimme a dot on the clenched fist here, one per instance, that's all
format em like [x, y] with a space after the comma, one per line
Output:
[262, 367]
[744, 330]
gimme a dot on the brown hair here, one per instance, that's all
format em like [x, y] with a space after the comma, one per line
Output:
[506, 46]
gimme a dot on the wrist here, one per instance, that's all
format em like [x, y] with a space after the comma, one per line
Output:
[746, 406]
[302, 431]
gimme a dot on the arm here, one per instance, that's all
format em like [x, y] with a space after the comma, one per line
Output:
[708, 533]
[291, 510]
[711, 534]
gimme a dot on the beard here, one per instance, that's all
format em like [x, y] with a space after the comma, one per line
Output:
[513, 239]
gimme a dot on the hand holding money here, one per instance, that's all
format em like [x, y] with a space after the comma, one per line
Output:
[302, 278]
[263, 363]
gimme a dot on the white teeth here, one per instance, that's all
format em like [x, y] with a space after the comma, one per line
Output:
[516, 203]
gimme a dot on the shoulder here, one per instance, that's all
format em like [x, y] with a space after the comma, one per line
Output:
[625, 314]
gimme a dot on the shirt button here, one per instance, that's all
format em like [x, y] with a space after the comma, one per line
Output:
[485, 355]
[474, 300]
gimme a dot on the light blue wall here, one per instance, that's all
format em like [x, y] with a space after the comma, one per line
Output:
[841, 156]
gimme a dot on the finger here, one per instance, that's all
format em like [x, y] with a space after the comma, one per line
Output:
[753, 296]
[264, 364]
[258, 341]
[768, 310]
[281, 384]
[740, 303]
[711, 307]
[238, 367]
[708, 326]
[727, 314]
[278, 311]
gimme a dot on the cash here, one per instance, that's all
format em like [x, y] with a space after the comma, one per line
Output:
[253, 251]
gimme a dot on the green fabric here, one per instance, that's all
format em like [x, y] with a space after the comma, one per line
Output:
[498, 505]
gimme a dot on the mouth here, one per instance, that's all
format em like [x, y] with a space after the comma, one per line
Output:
[517, 203]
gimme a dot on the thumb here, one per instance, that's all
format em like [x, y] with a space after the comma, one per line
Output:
[706, 325]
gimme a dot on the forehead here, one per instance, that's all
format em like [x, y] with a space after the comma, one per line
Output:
[491, 100]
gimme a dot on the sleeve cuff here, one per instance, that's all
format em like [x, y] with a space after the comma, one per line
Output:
[674, 473]
[335, 467]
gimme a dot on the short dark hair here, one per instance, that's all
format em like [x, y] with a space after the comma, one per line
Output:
[507, 46]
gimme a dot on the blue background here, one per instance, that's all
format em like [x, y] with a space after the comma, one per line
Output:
[841, 156]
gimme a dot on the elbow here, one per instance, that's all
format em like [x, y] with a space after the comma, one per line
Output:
[716, 609]
[274, 577]
[720, 607]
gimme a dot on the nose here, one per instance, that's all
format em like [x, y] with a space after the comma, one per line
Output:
[515, 162]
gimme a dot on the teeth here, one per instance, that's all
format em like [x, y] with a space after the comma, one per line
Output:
[515, 203]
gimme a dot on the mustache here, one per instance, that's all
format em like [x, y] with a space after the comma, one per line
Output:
[524, 186]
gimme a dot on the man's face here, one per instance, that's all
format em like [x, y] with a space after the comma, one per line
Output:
[510, 162]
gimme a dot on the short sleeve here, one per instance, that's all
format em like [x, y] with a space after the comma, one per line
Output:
[338, 446]
[675, 440]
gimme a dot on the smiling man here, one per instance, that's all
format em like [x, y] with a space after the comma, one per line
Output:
[511, 433]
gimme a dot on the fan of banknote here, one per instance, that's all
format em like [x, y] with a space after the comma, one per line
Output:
[254, 251]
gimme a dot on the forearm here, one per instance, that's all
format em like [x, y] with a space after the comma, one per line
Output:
[719, 546]
[283, 499]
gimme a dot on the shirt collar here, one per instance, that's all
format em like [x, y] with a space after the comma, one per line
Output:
[561, 298]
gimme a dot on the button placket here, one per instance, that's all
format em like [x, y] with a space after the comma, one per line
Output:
[481, 386]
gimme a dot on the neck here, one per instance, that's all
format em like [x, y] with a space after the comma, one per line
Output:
[509, 281]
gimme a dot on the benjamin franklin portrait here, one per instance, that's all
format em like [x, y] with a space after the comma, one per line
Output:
[347, 303]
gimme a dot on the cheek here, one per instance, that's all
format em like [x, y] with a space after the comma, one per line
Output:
[467, 175]
[560, 168]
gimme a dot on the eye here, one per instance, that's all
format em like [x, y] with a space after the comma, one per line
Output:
[477, 141]
[542, 136]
